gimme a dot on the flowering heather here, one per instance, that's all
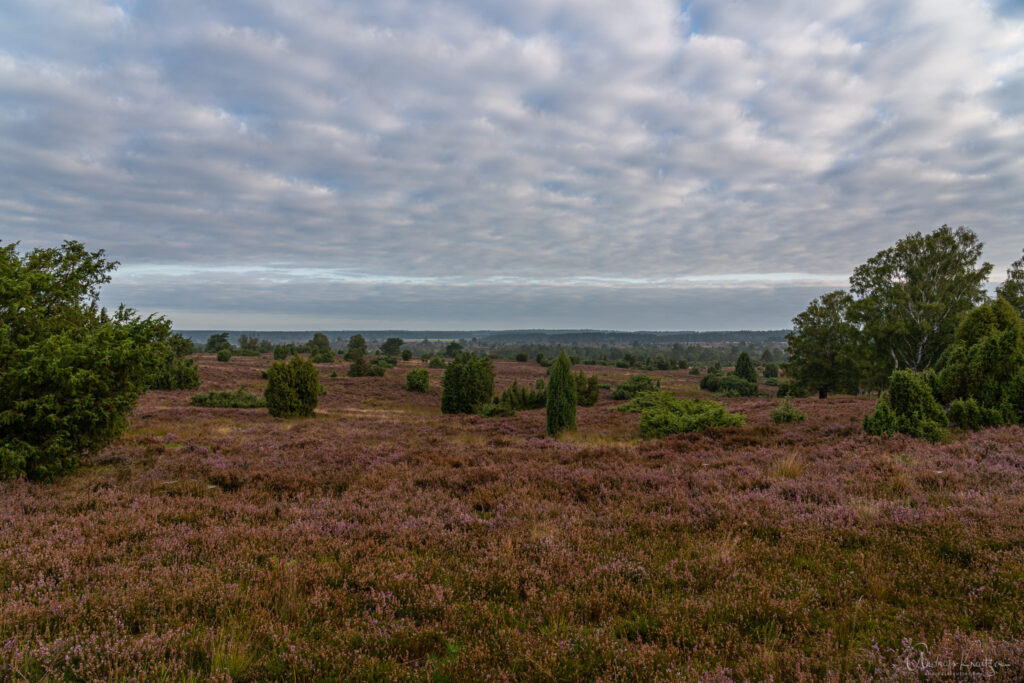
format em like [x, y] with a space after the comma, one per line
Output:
[381, 539]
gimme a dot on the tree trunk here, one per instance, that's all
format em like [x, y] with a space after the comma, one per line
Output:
[823, 392]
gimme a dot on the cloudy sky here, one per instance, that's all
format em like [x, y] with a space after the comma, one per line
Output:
[614, 164]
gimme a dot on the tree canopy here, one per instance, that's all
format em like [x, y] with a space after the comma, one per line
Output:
[822, 345]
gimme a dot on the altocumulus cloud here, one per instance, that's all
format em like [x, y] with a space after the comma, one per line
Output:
[493, 164]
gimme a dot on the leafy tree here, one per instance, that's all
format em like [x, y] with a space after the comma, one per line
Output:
[216, 342]
[293, 388]
[391, 347]
[181, 345]
[168, 368]
[771, 370]
[1013, 289]
[823, 346]
[452, 349]
[911, 296]
[561, 401]
[281, 351]
[468, 383]
[417, 380]
[356, 345]
[745, 368]
[406, 354]
[70, 373]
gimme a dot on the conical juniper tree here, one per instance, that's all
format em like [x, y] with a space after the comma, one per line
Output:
[561, 402]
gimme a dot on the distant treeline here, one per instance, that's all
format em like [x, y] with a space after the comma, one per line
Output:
[544, 337]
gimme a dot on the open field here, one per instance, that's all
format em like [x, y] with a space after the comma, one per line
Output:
[382, 540]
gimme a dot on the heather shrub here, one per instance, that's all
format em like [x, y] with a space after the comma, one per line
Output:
[437, 362]
[787, 412]
[561, 402]
[524, 398]
[745, 368]
[468, 383]
[417, 380]
[224, 355]
[293, 388]
[228, 399]
[636, 384]
[908, 407]
[588, 389]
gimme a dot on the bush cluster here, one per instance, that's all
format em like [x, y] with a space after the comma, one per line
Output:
[293, 388]
[437, 363]
[787, 412]
[524, 398]
[588, 389]
[637, 384]
[908, 407]
[728, 385]
[662, 414]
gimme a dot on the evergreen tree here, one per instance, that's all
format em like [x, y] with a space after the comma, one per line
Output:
[293, 388]
[1013, 289]
[745, 368]
[561, 402]
[468, 383]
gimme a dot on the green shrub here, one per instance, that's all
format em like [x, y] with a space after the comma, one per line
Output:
[496, 409]
[224, 355]
[745, 368]
[386, 361]
[661, 414]
[636, 384]
[561, 402]
[588, 389]
[406, 354]
[216, 342]
[522, 357]
[468, 383]
[787, 412]
[167, 368]
[293, 388]
[356, 346]
[908, 407]
[733, 385]
[772, 381]
[437, 363]
[321, 356]
[792, 390]
[969, 414]
[771, 370]
[281, 352]
[417, 380]
[70, 373]
[524, 398]
[694, 371]
[228, 399]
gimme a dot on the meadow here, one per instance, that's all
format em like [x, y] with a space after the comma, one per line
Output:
[384, 540]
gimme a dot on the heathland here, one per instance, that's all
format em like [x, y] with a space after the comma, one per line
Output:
[381, 539]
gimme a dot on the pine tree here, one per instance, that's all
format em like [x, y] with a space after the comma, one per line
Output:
[745, 368]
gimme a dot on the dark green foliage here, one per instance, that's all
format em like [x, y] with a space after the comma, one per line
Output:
[321, 356]
[167, 370]
[771, 370]
[1013, 288]
[180, 345]
[437, 363]
[467, 384]
[334, 373]
[216, 342]
[561, 402]
[70, 373]
[361, 367]
[823, 347]
[386, 361]
[745, 368]
[967, 414]
[522, 357]
[228, 399]
[792, 390]
[728, 385]
[542, 361]
[662, 414]
[636, 384]
[282, 351]
[452, 349]
[588, 389]
[252, 346]
[417, 380]
[356, 346]
[293, 388]
[406, 354]
[524, 398]
[908, 407]
[985, 363]
[224, 355]
[392, 346]
[695, 370]
[911, 296]
[787, 412]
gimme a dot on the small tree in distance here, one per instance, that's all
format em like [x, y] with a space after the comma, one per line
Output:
[561, 403]
[468, 383]
[293, 388]
[745, 368]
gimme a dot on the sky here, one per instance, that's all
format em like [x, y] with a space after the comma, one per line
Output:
[603, 164]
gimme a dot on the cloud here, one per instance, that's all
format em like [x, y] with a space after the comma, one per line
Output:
[455, 142]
